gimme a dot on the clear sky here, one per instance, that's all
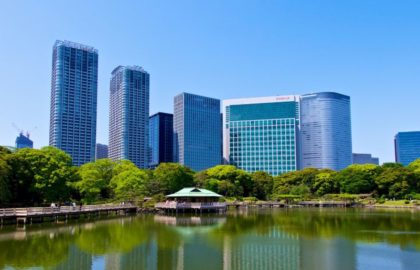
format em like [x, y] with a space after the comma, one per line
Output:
[369, 50]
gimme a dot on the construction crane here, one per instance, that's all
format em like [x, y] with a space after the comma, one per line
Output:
[28, 132]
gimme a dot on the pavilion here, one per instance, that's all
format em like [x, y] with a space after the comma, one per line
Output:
[192, 199]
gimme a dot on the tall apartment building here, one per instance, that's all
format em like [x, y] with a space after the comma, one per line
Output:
[325, 131]
[129, 115]
[74, 100]
[160, 138]
[407, 147]
[197, 129]
[261, 134]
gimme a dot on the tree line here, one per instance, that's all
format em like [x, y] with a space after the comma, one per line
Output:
[41, 176]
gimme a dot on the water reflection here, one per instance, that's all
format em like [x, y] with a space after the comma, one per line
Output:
[271, 239]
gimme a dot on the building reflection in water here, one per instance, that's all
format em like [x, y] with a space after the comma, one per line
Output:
[327, 254]
[213, 242]
[274, 250]
[380, 256]
[76, 259]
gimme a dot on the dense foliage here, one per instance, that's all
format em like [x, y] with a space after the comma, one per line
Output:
[42, 176]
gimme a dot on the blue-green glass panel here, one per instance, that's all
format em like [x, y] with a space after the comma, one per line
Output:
[263, 111]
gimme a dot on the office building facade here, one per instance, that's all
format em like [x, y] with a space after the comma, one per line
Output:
[160, 139]
[197, 129]
[74, 100]
[261, 134]
[23, 141]
[407, 147]
[129, 115]
[325, 131]
[364, 159]
[101, 151]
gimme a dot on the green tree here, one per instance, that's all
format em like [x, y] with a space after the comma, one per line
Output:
[213, 185]
[285, 183]
[173, 177]
[358, 178]
[5, 192]
[301, 189]
[53, 178]
[130, 184]
[325, 183]
[41, 175]
[415, 168]
[388, 165]
[122, 166]
[201, 179]
[395, 182]
[226, 188]
[241, 180]
[262, 185]
[94, 180]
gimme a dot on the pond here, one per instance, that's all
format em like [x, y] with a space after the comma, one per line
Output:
[309, 238]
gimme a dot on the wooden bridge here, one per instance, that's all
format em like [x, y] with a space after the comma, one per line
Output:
[39, 213]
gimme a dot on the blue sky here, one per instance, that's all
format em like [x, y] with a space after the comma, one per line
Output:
[369, 50]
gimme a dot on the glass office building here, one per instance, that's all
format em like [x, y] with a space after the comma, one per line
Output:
[74, 100]
[407, 147]
[23, 141]
[325, 131]
[197, 129]
[160, 138]
[364, 159]
[101, 151]
[261, 134]
[129, 115]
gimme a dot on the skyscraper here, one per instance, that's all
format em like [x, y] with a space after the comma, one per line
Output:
[197, 129]
[74, 100]
[129, 115]
[23, 141]
[325, 131]
[261, 134]
[365, 159]
[407, 147]
[160, 138]
[101, 151]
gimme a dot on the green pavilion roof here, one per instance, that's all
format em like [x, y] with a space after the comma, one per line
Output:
[194, 192]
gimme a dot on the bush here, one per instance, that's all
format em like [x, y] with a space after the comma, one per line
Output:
[380, 200]
[159, 197]
[406, 202]
[250, 199]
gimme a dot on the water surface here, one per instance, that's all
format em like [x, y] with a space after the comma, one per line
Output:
[255, 239]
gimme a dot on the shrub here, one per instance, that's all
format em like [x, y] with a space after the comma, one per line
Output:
[380, 200]
[250, 199]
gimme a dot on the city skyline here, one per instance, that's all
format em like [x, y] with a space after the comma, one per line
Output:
[294, 49]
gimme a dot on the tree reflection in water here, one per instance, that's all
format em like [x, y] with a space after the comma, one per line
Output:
[294, 238]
